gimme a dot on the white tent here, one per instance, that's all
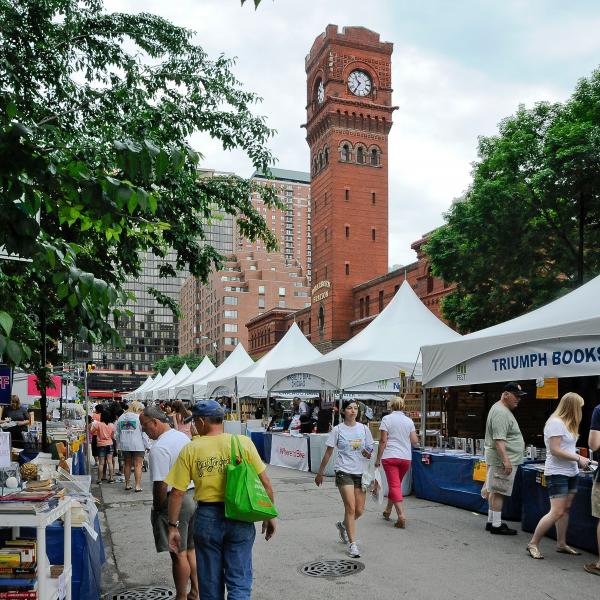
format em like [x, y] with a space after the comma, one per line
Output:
[146, 384]
[372, 359]
[237, 361]
[292, 349]
[139, 393]
[560, 339]
[184, 390]
[148, 394]
[165, 387]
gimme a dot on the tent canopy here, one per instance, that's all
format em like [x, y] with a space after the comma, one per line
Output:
[237, 361]
[139, 395]
[164, 389]
[292, 348]
[149, 393]
[372, 359]
[185, 389]
[132, 395]
[560, 339]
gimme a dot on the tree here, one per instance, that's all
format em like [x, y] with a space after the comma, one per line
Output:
[176, 362]
[95, 167]
[528, 228]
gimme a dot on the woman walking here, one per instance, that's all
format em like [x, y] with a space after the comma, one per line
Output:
[561, 469]
[180, 413]
[132, 443]
[354, 443]
[398, 435]
[104, 430]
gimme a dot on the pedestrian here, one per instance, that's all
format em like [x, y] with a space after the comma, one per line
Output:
[354, 443]
[17, 415]
[223, 546]
[168, 410]
[180, 414]
[132, 444]
[504, 448]
[560, 470]
[398, 436]
[104, 430]
[594, 444]
[162, 456]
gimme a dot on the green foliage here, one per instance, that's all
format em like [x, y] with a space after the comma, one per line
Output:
[96, 111]
[514, 241]
[176, 362]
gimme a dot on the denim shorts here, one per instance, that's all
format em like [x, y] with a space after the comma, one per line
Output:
[104, 451]
[561, 485]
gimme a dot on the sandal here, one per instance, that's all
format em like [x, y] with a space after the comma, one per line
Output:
[400, 523]
[534, 552]
[386, 515]
[128, 488]
[568, 550]
[111, 481]
[139, 490]
[592, 568]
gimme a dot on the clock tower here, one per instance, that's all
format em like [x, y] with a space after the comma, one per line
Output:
[349, 116]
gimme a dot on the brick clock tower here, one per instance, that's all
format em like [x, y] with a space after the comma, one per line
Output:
[349, 116]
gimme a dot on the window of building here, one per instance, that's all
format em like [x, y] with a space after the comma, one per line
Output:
[346, 154]
[230, 327]
[282, 291]
[326, 155]
[347, 231]
[261, 289]
[373, 197]
[360, 155]
[321, 315]
[396, 288]
[282, 304]
[230, 341]
[325, 233]
[347, 195]
[380, 300]
[373, 234]
[367, 306]
[361, 308]
[301, 294]
[347, 268]
[231, 300]
[261, 303]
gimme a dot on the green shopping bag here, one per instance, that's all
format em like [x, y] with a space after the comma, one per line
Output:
[245, 496]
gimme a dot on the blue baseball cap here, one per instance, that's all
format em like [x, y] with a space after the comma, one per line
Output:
[206, 408]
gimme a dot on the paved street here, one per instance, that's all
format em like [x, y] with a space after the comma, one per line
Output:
[443, 553]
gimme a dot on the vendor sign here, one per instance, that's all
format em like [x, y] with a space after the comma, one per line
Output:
[289, 451]
[32, 389]
[548, 390]
[5, 385]
[301, 381]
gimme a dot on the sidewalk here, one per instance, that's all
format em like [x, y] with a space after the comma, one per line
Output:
[443, 553]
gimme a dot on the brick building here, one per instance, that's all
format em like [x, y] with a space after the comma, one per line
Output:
[349, 116]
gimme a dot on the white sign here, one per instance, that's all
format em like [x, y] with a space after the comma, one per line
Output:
[574, 357]
[302, 381]
[289, 451]
[4, 449]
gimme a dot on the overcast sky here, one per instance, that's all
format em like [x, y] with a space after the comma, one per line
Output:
[459, 67]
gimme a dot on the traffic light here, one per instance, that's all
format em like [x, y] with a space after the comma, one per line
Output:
[90, 366]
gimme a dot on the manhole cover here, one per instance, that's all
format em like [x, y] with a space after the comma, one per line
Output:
[147, 592]
[331, 568]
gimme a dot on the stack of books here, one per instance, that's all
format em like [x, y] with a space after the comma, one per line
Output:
[28, 502]
[18, 567]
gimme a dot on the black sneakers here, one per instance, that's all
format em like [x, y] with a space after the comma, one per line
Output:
[503, 529]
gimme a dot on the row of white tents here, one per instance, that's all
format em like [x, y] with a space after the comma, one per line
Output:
[561, 339]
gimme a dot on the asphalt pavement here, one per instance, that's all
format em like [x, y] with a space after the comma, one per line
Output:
[444, 552]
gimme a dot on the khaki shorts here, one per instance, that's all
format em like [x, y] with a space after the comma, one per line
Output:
[596, 498]
[342, 479]
[160, 525]
[497, 482]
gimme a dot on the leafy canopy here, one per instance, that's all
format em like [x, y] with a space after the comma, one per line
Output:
[96, 111]
[528, 227]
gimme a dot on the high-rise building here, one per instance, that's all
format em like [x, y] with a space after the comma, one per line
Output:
[252, 280]
[349, 116]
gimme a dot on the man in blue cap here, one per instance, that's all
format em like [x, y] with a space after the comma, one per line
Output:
[223, 546]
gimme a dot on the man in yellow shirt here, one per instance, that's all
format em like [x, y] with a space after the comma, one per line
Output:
[223, 546]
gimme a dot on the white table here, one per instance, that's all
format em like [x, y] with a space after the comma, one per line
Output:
[48, 588]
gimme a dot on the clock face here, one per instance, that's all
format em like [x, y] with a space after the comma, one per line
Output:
[320, 92]
[359, 83]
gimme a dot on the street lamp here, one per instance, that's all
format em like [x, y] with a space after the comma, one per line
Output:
[214, 345]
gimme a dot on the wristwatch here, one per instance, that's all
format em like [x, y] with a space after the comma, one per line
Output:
[176, 524]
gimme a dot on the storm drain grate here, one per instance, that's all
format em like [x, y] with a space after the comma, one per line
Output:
[147, 592]
[331, 568]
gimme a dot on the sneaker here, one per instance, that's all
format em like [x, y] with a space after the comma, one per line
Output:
[353, 551]
[503, 529]
[342, 531]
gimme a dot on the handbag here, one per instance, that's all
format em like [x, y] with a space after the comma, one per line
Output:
[245, 496]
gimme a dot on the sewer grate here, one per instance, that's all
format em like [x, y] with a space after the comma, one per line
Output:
[331, 568]
[147, 592]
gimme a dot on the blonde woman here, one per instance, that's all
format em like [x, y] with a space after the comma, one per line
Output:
[133, 443]
[561, 469]
[398, 435]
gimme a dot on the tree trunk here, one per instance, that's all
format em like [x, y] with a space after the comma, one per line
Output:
[43, 381]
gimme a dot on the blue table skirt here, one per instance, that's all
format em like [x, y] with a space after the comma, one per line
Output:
[536, 503]
[449, 480]
[87, 557]
[268, 438]
[78, 462]
[258, 438]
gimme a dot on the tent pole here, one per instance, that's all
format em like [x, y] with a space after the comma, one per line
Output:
[267, 407]
[423, 416]
[239, 407]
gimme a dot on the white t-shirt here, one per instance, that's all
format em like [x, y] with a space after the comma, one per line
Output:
[129, 434]
[350, 442]
[399, 428]
[164, 453]
[555, 465]
[303, 408]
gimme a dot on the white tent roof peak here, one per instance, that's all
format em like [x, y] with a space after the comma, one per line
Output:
[163, 389]
[291, 349]
[237, 361]
[184, 389]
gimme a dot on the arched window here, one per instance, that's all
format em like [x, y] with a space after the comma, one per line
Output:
[321, 316]
[360, 155]
[326, 155]
[321, 160]
[374, 156]
[315, 165]
[346, 152]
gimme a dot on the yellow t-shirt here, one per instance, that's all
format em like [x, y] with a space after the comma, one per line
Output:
[204, 461]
